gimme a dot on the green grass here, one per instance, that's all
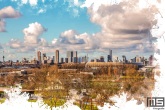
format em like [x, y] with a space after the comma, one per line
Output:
[32, 100]
[2, 100]
[59, 103]
[87, 106]
[54, 103]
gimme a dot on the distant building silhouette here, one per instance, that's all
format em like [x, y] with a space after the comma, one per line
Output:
[57, 57]
[44, 56]
[39, 57]
[109, 57]
[62, 60]
[151, 59]
[3, 57]
[75, 57]
[66, 60]
[72, 56]
[69, 55]
[84, 59]
[124, 59]
[101, 59]
[44, 61]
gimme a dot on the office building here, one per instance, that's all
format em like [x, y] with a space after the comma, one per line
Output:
[3, 58]
[50, 61]
[62, 60]
[66, 60]
[84, 59]
[79, 59]
[74, 57]
[92, 60]
[137, 59]
[57, 57]
[124, 59]
[116, 59]
[53, 59]
[44, 56]
[101, 59]
[69, 55]
[151, 59]
[109, 57]
[96, 60]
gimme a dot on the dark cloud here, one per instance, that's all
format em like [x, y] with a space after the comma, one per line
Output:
[133, 31]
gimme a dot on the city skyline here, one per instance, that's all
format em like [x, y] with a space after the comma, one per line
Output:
[70, 56]
[89, 27]
[73, 57]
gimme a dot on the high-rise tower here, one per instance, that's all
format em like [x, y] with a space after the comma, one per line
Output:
[69, 55]
[109, 58]
[44, 56]
[57, 56]
[3, 57]
[74, 57]
[39, 56]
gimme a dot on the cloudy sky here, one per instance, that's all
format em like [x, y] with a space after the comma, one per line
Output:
[89, 26]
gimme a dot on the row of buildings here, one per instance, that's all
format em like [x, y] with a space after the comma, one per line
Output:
[72, 57]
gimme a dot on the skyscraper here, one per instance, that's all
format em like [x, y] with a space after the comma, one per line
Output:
[69, 55]
[74, 57]
[62, 60]
[66, 60]
[3, 57]
[137, 59]
[44, 56]
[57, 56]
[84, 59]
[151, 59]
[124, 59]
[101, 59]
[44, 61]
[39, 56]
[109, 57]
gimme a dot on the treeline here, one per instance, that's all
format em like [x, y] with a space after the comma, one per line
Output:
[95, 89]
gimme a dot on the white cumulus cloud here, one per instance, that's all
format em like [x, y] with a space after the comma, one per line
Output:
[123, 25]
[32, 39]
[41, 11]
[33, 2]
[9, 12]
[70, 39]
[15, 43]
[24, 1]
[33, 32]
